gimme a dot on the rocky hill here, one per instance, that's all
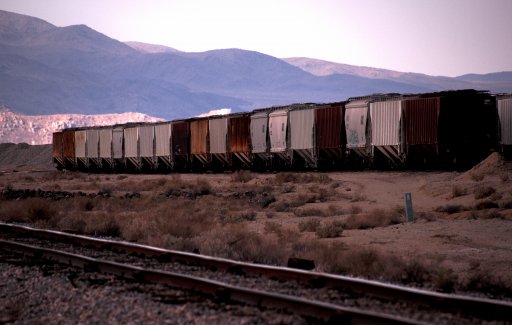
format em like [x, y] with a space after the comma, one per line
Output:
[38, 129]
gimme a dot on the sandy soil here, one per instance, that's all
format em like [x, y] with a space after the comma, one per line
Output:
[478, 238]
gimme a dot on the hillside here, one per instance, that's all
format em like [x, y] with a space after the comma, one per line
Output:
[38, 129]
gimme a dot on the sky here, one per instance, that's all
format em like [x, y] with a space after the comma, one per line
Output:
[435, 37]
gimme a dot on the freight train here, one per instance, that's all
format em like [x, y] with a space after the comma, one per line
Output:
[450, 129]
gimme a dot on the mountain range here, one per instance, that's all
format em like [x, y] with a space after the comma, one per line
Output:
[45, 69]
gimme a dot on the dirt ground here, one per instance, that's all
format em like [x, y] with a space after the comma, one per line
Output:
[463, 220]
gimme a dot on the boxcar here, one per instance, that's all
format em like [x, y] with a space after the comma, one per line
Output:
[199, 143]
[58, 157]
[163, 145]
[131, 147]
[117, 147]
[240, 139]
[105, 144]
[146, 145]
[387, 132]
[219, 142]
[92, 146]
[329, 131]
[302, 137]
[278, 134]
[504, 104]
[357, 128]
[180, 133]
[259, 138]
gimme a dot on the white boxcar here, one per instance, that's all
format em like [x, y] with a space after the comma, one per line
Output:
[106, 143]
[80, 143]
[92, 143]
[163, 140]
[278, 127]
[117, 143]
[131, 142]
[356, 120]
[146, 140]
[302, 134]
[386, 128]
[259, 138]
[505, 114]
[218, 135]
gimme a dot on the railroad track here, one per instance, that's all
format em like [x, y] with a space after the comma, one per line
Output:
[323, 309]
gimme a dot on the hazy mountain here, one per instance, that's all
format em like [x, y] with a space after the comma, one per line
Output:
[150, 48]
[495, 82]
[38, 129]
[46, 69]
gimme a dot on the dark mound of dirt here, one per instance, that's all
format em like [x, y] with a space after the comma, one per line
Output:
[25, 157]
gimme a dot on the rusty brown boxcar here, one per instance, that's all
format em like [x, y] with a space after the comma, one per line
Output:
[57, 155]
[330, 135]
[421, 124]
[68, 148]
[180, 133]
[199, 142]
[240, 138]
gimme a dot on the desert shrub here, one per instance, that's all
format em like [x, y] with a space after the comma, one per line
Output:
[450, 208]
[121, 177]
[238, 216]
[72, 223]
[105, 191]
[477, 177]
[504, 177]
[266, 200]
[13, 211]
[486, 282]
[357, 197]
[272, 227]
[236, 242]
[242, 176]
[486, 204]
[38, 209]
[458, 191]
[281, 178]
[308, 212]
[102, 224]
[506, 204]
[333, 210]
[376, 218]
[483, 192]
[311, 224]
[428, 216]
[330, 229]
[444, 280]
[355, 209]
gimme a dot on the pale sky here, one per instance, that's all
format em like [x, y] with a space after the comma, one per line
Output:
[436, 37]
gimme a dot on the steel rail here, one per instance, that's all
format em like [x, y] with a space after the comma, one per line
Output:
[481, 307]
[215, 289]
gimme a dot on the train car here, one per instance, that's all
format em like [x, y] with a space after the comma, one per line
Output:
[106, 160]
[219, 149]
[421, 126]
[80, 149]
[504, 107]
[358, 130]
[180, 144]
[147, 146]
[240, 139]
[92, 146]
[467, 127]
[118, 147]
[131, 148]
[199, 143]
[303, 151]
[387, 131]
[57, 154]
[278, 134]
[163, 159]
[260, 140]
[68, 148]
[329, 134]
